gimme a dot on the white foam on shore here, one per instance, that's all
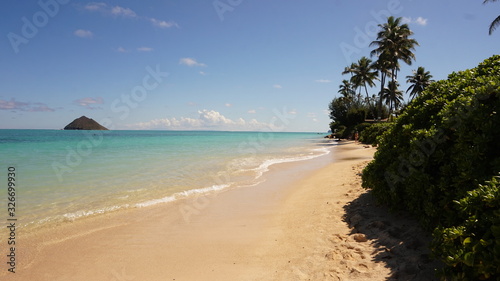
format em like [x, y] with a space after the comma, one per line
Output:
[70, 217]
[259, 172]
[264, 167]
[81, 214]
[182, 194]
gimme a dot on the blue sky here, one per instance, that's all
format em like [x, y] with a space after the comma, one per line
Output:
[216, 65]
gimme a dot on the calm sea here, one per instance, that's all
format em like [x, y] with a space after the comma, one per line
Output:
[66, 175]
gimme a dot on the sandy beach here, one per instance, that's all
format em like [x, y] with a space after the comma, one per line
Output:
[310, 220]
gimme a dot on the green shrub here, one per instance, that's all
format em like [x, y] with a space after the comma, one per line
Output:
[371, 134]
[362, 126]
[444, 145]
[472, 248]
[340, 131]
[355, 116]
[348, 133]
[345, 113]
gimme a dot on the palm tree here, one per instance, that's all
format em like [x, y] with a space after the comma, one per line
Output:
[363, 74]
[393, 96]
[352, 70]
[496, 22]
[349, 69]
[382, 65]
[419, 81]
[393, 44]
[346, 90]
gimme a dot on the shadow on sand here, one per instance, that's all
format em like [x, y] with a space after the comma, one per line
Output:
[402, 246]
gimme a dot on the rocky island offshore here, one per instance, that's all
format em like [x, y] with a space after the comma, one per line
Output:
[84, 123]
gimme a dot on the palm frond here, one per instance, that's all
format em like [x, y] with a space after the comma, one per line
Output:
[494, 24]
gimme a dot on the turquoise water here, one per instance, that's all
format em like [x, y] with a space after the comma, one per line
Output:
[66, 175]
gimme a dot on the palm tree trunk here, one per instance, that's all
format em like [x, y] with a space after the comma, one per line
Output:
[369, 102]
[381, 94]
[391, 94]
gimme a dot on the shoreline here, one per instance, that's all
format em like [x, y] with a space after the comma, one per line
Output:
[184, 210]
[115, 188]
[291, 227]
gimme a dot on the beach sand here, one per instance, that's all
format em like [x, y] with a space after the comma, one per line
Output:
[310, 220]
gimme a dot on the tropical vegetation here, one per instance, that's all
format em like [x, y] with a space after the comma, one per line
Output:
[363, 74]
[392, 46]
[438, 155]
[418, 82]
[440, 160]
[372, 134]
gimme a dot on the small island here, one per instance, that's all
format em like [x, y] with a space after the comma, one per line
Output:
[84, 123]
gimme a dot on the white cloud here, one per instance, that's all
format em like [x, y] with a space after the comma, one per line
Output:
[124, 12]
[228, 105]
[163, 24]
[293, 112]
[207, 119]
[312, 115]
[119, 11]
[89, 102]
[322, 81]
[144, 49]
[252, 111]
[41, 108]
[105, 9]
[277, 86]
[212, 118]
[95, 6]
[14, 106]
[83, 33]
[419, 20]
[203, 73]
[191, 62]
[121, 50]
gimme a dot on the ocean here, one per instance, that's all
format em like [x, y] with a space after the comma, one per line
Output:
[62, 176]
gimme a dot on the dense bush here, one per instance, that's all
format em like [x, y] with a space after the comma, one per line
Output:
[344, 113]
[444, 145]
[362, 126]
[344, 132]
[371, 134]
[355, 116]
[472, 248]
[339, 131]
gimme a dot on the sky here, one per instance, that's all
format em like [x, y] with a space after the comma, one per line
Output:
[235, 65]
